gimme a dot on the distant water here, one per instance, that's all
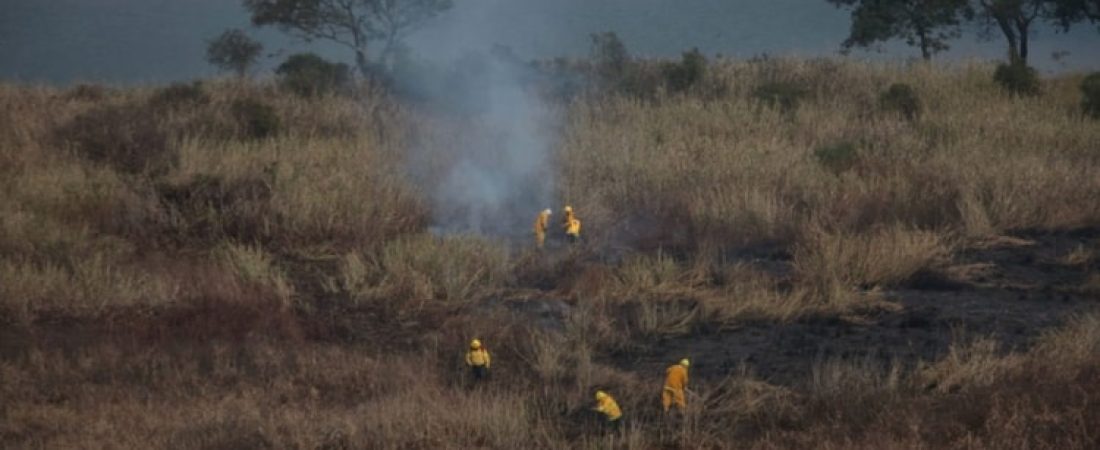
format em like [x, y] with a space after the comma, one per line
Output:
[152, 41]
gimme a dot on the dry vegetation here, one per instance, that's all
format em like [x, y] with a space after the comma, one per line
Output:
[175, 274]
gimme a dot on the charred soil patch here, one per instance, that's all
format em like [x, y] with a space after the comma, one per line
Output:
[1011, 289]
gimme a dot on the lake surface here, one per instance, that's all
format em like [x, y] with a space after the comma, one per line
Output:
[152, 41]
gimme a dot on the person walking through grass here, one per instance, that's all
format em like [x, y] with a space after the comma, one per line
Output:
[478, 360]
[676, 380]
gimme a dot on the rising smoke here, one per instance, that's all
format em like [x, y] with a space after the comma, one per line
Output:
[492, 172]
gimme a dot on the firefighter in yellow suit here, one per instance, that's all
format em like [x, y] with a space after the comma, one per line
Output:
[607, 406]
[478, 360]
[675, 383]
[542, 223]
[572, 225]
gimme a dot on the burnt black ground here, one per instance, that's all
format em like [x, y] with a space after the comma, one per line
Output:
[1011, 289]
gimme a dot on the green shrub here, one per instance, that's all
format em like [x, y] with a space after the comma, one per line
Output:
[179, 95]
[257, 119]
[1090, 88]
[780, 94]
[900, 98]
[838, 157]
[128, 138]
[307, 74]
[1017, 78]
[689, 72]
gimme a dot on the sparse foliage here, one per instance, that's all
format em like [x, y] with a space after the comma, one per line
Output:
[234, 51]
[1014, 19]
[610, 59]
[352, 23]
[1068, 12]
[927, 25]
[307, 74]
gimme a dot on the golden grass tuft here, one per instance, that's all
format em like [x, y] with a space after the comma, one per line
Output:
[883, 257]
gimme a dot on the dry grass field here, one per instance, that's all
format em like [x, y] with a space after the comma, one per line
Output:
[178, 270]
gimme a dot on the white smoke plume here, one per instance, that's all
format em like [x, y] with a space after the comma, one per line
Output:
[494, 172]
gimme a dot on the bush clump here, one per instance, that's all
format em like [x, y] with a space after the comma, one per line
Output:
[838, 157]
[690, 71]
[87, 93]
[178, 95]
[784, 95]
[1090, 88]
[308, 75]
[256, 119]
[213, 207]
[125, 137]
[611, 62]
[902, 99]
[1017, 78]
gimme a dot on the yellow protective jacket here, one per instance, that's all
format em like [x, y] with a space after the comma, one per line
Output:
[571, 224]
[573, 228]
[609, 408]
[542, 223]
[477, 358]
[677, 378]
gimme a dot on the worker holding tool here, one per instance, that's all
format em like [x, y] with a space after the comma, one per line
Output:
[607, 406]
[675, 383]
[542, 223]
[572, 225]
[478, 360]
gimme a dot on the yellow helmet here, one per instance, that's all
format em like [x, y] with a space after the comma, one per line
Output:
[600, 395]
[684, 362]
[475, 344]
[568, 209]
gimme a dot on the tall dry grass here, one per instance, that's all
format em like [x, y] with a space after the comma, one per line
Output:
[728, 170]
[284, 291]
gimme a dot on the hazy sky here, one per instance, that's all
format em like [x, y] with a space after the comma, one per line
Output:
[120, 41]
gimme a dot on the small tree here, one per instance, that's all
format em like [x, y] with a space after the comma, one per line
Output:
[233, 51]
[1014, 19]
[351, 23]
[926, 24]
[610, 58]
[690, 71]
